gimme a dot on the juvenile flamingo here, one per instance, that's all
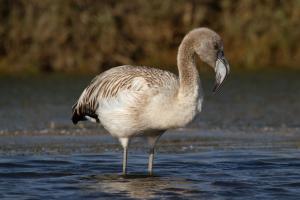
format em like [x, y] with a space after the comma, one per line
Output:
[134, 101]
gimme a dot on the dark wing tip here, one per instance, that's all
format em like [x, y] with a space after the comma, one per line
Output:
[75, 117]
[80, 116]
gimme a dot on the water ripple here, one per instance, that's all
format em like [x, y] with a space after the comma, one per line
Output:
[202, 175]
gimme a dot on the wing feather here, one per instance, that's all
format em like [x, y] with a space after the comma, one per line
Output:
[110, 83]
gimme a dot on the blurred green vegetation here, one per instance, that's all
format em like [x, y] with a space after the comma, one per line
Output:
[85, 36]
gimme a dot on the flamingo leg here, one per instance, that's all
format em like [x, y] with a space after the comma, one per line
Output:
[125, 155]
[150, 163]
[152, 140]
[124, 142]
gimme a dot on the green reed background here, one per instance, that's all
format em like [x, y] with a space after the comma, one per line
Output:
[86, 36]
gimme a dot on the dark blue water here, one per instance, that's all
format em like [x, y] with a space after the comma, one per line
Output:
[214, 174]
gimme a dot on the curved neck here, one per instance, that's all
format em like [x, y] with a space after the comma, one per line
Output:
[188, 73]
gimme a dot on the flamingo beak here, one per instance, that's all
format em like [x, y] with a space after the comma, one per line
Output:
[222, 70]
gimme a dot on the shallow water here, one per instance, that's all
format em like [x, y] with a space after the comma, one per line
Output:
[209, 174]
[244, 145]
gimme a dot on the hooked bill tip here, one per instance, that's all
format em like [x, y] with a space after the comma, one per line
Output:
[216, 88]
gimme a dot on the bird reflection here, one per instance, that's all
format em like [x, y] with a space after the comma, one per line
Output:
[140, 186]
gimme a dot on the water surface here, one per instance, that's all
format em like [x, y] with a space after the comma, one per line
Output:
[244, 145]
[204, 174]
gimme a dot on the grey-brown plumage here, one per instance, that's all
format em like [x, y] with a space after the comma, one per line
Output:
[142, 101]
[108, 84]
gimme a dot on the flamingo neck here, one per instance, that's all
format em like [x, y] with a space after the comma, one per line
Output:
[188, 73]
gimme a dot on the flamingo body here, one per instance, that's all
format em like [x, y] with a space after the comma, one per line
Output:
[134, 101]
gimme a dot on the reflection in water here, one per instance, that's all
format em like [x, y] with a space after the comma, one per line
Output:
[140, 186]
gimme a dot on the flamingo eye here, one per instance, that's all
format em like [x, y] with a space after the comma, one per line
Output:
[216, 47]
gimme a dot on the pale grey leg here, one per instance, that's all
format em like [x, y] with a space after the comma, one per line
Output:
[150, 163]
[124, 142]
[152, 140]
[125, 155]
